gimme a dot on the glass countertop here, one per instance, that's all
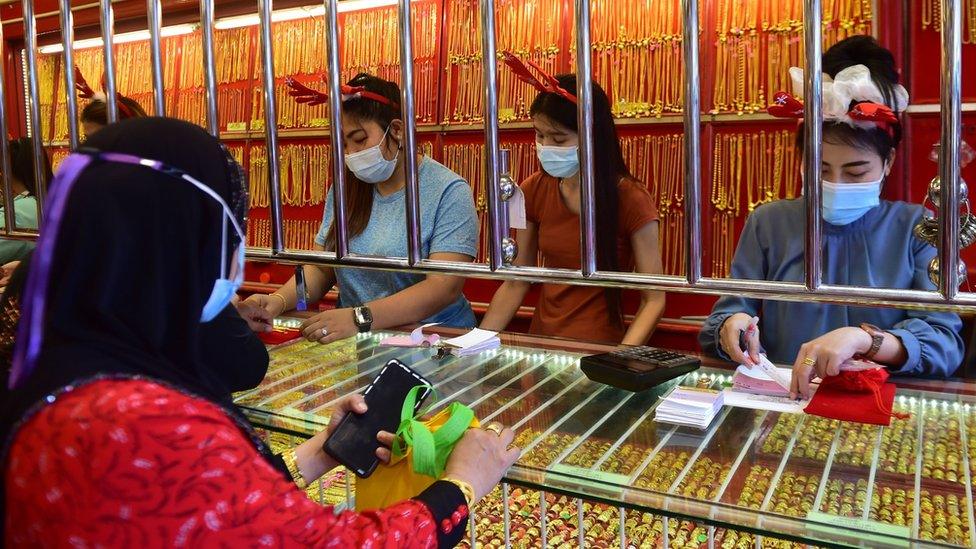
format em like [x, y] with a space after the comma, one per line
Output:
[800, 477]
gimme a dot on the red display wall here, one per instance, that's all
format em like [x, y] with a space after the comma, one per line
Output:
[745, 49]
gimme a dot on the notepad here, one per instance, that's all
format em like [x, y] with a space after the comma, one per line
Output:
[689, 406]
[473, 342]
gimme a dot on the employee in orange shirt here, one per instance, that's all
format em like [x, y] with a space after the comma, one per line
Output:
[626, 221]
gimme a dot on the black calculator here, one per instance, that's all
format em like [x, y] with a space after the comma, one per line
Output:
[637, 368]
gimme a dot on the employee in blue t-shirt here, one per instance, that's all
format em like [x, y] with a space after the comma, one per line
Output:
[368, 299]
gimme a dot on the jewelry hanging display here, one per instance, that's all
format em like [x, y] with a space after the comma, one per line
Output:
[757, 42]
[657, 161]
[304, 171]
[931, 18]
[768, 162]
[530, 29]
[370, 44]
[637, 56]
[467, 160]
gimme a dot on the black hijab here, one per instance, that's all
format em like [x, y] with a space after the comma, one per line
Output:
[134, 261]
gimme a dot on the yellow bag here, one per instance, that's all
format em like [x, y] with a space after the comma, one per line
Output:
[427, 444]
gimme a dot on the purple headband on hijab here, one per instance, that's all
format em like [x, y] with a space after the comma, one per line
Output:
[30, 330]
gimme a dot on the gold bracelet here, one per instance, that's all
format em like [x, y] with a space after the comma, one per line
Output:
[284, 303]
[465, 488]
[289, 458]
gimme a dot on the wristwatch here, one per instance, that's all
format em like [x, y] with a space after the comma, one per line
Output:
[363, 318]
[877, 338]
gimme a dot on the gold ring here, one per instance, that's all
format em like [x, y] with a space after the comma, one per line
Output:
[494, 428]
[808, 361]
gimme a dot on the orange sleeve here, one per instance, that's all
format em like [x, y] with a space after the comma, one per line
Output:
[637, 208]
[531, 189]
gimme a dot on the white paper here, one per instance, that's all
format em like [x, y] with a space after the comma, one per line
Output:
[758, 374]
[516, 209]
[781, 377]
[762, 402]
[415, 339]
[472, 338]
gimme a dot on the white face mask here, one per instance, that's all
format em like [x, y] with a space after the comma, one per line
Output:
[558, 162]
[369, 165]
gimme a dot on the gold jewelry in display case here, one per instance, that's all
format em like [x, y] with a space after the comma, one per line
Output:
[593, 456]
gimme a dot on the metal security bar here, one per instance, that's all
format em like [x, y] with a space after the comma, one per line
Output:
[68, 45]
[209, 65]
[34, 96]
[108, 49]
[812, 111]
[811, 289]
[154, 11]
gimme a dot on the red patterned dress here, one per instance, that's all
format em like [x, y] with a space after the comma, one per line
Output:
[131, 463]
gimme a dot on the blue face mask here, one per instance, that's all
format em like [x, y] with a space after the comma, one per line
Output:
[561, 162]
[845, 203]
[224, 289]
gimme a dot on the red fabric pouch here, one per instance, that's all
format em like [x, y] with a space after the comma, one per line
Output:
[862, 396]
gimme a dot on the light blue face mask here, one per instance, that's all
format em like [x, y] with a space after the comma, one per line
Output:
[845, 203]
[561, 162]
[224, 289]
[369, 165]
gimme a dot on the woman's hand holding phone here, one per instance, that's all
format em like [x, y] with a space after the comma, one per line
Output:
[313, 462]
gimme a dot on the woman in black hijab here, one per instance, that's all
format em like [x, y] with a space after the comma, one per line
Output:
[119, 427]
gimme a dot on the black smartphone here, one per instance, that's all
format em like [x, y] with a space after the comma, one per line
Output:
[353, 443]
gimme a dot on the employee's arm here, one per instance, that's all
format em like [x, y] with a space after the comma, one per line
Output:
[647, 259]
[509, 296]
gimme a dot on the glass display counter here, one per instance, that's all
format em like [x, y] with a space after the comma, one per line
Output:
[594, 457]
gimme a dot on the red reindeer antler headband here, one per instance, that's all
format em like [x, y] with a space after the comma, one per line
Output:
[307, 96]
[786, 105]
[547, 83]
[851, 96]
[86, 92]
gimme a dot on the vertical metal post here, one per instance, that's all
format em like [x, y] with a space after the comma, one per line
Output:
[813, 130]
[155, 14]
[108, 43]
[409, 151]
[34, 95]
[584, 95]
[692, 128]
[271, 125]
[951, 117]
[8, 195]
[333, 75]
[492, 144]
[209, 65]
[68, 45]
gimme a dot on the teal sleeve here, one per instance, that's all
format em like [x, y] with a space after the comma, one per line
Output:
[931, 338]
[14, 250]
[749, 262]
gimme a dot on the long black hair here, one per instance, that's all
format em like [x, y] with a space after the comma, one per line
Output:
[22, 164]
[609, 168]
[359, 195]
[862, 50]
